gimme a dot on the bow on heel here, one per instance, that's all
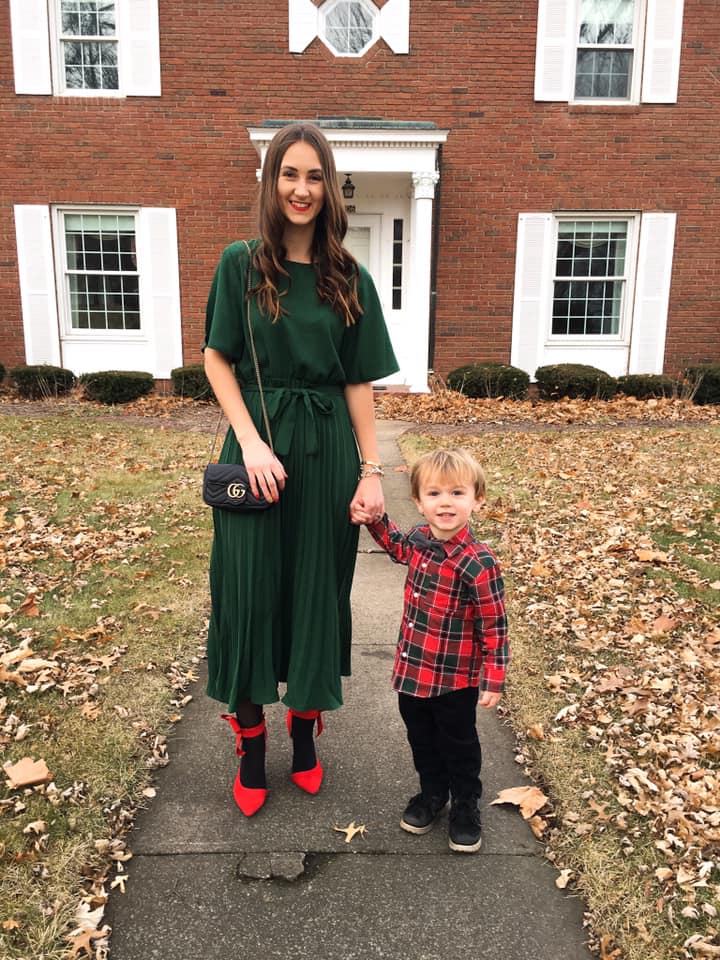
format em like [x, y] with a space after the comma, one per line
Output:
[300, 727]
[249, 799]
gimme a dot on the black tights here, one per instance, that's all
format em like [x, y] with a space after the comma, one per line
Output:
[252, 765]
[248, 713]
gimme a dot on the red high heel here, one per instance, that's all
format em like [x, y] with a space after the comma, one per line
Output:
[307, 780]
[249, 799]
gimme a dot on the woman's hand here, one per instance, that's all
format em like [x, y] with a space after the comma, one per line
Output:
[267, 475]
[368, 504]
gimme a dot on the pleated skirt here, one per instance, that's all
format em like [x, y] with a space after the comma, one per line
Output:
[280, 579]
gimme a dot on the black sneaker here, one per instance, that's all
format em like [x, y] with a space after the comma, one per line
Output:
[421, 813]
[465, 825]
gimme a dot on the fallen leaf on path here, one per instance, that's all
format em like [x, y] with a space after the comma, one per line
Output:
[562, 881]
[528, 799]
[351, 830]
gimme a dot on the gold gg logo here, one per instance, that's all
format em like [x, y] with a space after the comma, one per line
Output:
[236, 491]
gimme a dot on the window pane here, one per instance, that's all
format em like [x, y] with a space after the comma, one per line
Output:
[349, 27]
[88, 18]
[102, 279]
[589, 277]
[606, 21]
[603, 73]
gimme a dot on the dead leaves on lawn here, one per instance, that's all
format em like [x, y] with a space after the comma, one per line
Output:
[62, 547]
[445, 406]
[606, 539]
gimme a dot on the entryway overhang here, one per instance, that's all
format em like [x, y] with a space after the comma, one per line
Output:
[391, 148]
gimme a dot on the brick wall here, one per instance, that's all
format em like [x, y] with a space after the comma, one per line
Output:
[225, 66]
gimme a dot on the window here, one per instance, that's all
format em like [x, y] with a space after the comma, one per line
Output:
[102, 284]
[605, 51]
[590, 277]
[88, 45]
[98, 48]
[100, 287]
[348, 26]
[616, 51]
[592, 288]
[397, 264]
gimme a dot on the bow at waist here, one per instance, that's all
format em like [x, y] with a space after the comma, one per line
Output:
[286, 402]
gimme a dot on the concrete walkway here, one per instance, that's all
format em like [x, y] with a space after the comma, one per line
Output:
[207, 884]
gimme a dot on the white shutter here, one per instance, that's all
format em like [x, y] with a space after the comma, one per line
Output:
[555, 51]
[31, 46]
[140, 48]
[662, 51]
[652, 293]
[302, 24]
[533, 273]
[160, 288]
[395, 25]
[37, 284]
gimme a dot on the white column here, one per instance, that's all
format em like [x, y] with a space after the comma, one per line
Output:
[420, 272]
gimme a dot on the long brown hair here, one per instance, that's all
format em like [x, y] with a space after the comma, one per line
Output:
[336, 269]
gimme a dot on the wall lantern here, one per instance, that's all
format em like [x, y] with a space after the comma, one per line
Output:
[348, 188]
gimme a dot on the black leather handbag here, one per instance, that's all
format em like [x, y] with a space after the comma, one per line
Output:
[226, 486]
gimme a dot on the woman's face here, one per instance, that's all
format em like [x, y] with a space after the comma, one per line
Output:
[300, 187]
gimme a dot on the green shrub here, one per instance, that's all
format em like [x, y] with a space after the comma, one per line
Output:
[191, 382]
[34, 382]
[2, 372]
[704, 380]
[647, 385]
[489, 379]
[117, 386]
[574, 380]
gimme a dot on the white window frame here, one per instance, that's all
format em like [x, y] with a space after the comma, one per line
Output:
[637, 47]
[61, 274]
[656, 62]
[631, 252]
[327, 8]
[391, 23]
[57, 59]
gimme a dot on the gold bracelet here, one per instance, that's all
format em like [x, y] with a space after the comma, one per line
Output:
[371, 463]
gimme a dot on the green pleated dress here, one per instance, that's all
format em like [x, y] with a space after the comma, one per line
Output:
[280, 579]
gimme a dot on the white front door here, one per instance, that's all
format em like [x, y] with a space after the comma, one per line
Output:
[367, 242]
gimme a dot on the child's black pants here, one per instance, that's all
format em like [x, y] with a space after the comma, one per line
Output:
[443, 738]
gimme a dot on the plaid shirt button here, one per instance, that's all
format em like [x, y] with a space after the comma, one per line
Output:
[416, 594]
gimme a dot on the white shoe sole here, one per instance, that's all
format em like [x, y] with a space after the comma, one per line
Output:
[465, 848]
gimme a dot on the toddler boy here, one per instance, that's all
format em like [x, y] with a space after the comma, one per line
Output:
[453, 649]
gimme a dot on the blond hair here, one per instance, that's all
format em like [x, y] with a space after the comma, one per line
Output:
[452, 465]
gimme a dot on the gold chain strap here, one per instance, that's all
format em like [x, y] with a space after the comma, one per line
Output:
[255, 364]
[254, 353]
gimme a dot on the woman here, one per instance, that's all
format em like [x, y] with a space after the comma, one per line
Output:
[280, 579]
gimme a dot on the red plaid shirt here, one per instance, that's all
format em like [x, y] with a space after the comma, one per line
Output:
[454, 628]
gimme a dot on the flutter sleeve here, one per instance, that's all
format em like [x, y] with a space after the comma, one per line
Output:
[366, 352]
[224, 316]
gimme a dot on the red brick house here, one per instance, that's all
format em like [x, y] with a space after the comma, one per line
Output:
[534, 181]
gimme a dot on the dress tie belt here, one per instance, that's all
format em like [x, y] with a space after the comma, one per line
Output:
[286, 403]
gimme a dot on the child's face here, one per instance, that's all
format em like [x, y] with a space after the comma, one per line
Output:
[446, 503]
